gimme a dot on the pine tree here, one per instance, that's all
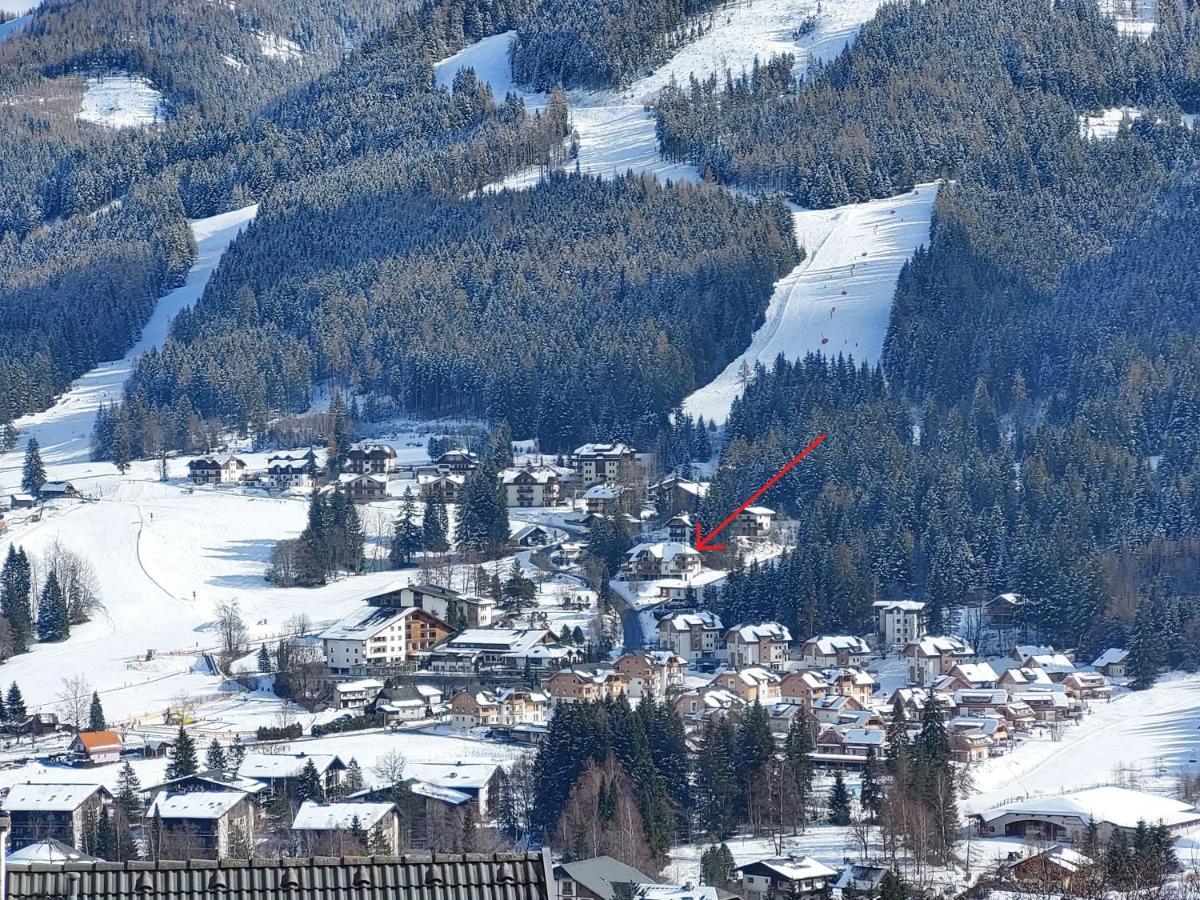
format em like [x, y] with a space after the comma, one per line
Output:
[15, 703]
[839, 801]
[353, 781]
[3, 710]
[15, 587]
[264, 659]
[309, 785]
[897, 739]
[96, 714]
[482, 523]
[181, 760]
[104, 844]
[1146, 650]
[499, 452]
[358, 834]
[129, 792]
[53, 621]
[797, 755]
[237, 752]
[406, 536]
[33, 472]
[339, 434]
[716, 784]
[870, 793]
[214, 756]
[891, 887]
[434, 525]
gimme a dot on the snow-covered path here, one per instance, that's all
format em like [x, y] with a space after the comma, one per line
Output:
[839, 299]
[64, 430]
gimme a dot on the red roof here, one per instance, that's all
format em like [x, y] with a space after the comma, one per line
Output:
[94, 741]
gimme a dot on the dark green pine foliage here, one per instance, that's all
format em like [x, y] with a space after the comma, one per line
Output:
[105, 843]
[15, 703]
[839, 801]
[53, 622]
[932, 776]
[1147, 650]
[481, 526]
[181, 758]
[33, 471]
[340, 437]
[96, 714]
[435, 528]
[16, 584]
[263, 659]
[309, 785]
[406, 534]
[716, 784]
[891, 887]
[214, 756]
[798, 764]
[871, 790]
[717, 866]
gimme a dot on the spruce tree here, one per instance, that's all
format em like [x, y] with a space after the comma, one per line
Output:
[181, 760]
[15, 703]
[891, 887]
[105, 843]
[870, 792]
[15, 587]
[214, 756]
[33, 472]
[53, 621]
[96, 714]
[406, 536]
[309, 785]
[353, 781]
[482, 523]
[434, 525]
[264, 659]
[1146, 650]
[339, 435]
[128, 796]
[237, 752]
[839, 801]
[797, 755]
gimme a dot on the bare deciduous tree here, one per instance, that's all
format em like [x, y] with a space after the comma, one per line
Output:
[74, 701]
[232, 631]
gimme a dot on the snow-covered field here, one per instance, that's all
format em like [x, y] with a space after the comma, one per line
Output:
[12, 26]
[18, 7]
[839, 298]
[121, 101]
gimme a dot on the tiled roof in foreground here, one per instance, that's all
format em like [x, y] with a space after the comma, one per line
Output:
[442, 876]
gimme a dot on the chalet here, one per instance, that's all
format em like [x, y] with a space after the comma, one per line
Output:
[325, 829]
[408, 702]
[1018, 715]
[764, 644]
[445, 488]
[502, 649]
[933, 656]
[971, 675]
[850, 682]
[357, 694]
[281, 771]
[530, 534]
[976, 701]
[859, 881]
[210, 470]
[531, 486]
[1050, 703]
[381, 637]
[1057, 665]
[707, 701]
[800, 877]
[371, 459]
[448, 605]
[504, 707]
[480, 781]
[1021, 652]
[1019, 677]
[834, 650]
[692, 636]
[21, 501]
[208, 780]
[802, 687]
[457, 462]
[1049, 872]
[992, 726]
[675, 495]
[1112, 662]
[63, 812]
[598, 463]
[899, 622]
[651, 673]
[58, 490]
[95, 748]
[681, 529]
[1066, 818]
[598, 878]
[291, 470]
[1004, 611]
[753, 522]
[835, 709]
[843, 747]
[202, 824]
[1087, 686]
[751, 684]
[646, 562]
[365, 488]
[969, 745]
[585, 685]
[915, 701]
[603, 499]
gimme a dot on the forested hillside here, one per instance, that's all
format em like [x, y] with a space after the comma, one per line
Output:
[601, 43]
[578, 309]
[1048, 330]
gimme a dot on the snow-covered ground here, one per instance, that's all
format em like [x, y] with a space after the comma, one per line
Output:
[1140, 738]
[839, 298]
[121, 101]
[18, 7]
[277, 47]
[12, 26]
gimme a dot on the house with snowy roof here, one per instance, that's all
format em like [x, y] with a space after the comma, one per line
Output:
[831, 651]
[752, 684]
[600, 462]
[664, 559]
[441, 486]
[357, 694]
[691, 635]
[968, 675]
[898, 622]
[59, 811]
[1021, 677]
[478, 780]
[753, 522]
[676, 495]
[859, 881]
[761, 644]
[381, 636]
[289, 470]
[503, 649]
[585, 685]
[841, 747]
[282, 771]
[1050, 703]
[803, 687]
[932, 656]
[1047, 871]
[1112, 662]
[597, 878]
[1087, 686]
[651, 673]
[1004, 611]
[792, 876]
[529, 486]
[211, 470]
[850, 681]
[503, 707]
[202, 824]
[329, 829]
[207, 780]
[370, 459]
[705, 702]
[364, 488]
[681, 528]
[916, 700]
[1066, 818]
[835, 709]
[95, 748]
[457, 462]
[603, 499]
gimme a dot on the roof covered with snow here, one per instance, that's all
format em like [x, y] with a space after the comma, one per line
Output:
[284, 765]
[764, 631]
[194, 804]
[339, 816]
[1114, 805]
[30, 797]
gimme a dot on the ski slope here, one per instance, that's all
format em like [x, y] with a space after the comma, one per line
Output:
[12, 26]
[121, 100]
[616, 128]
[839, 299]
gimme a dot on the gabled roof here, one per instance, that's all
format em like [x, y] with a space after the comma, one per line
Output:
[831, 644]
[1114, 805]
[904, 605]
[194, 804]
[98, 741]
[31, 797]
[1111, 656]
[600, 874]
[607, 451]
[688, 621]
[48, 850]
[937, 646]
[663, 550]
[764, 631]
[367, 621]
[790, 868]
[285, 765]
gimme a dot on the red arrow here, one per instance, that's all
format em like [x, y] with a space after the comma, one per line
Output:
[702, 542]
